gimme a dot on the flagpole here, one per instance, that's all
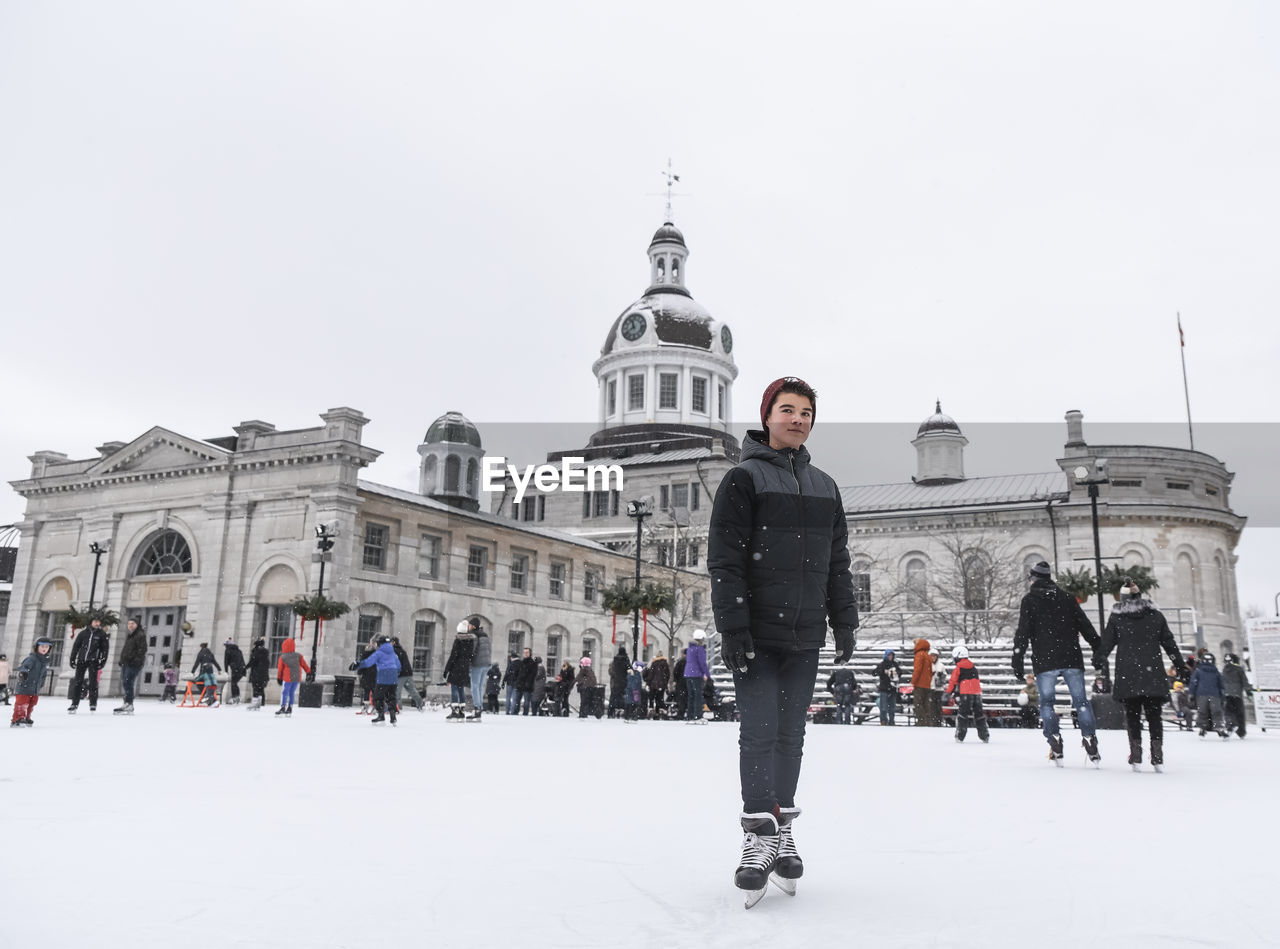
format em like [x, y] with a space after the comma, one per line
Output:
[1186, 392]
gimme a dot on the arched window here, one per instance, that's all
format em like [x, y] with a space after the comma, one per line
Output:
[977, 582]
[429, 475]
[917, 584]
[1221, 599]
[166, 553]
[675, 269]
[473, 478]
[452, 474]
[862, 585]
[1186, 585]
[662, 271]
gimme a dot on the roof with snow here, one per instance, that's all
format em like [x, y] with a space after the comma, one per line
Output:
[972, 492]
[676, 318]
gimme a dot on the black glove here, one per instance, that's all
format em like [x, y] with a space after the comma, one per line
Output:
[354, 666]
[1018, 670]
[1096, 659]
[737, 648]
[845, 639]
[279, 681]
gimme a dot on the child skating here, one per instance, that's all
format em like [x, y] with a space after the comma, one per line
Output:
[30, 679]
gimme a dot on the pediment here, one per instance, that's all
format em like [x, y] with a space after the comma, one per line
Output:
[160, 450]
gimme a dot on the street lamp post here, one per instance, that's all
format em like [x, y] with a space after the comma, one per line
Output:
[325, 535]
[638, 509]
[97, 550]
[1092, 479]
[1278, 606]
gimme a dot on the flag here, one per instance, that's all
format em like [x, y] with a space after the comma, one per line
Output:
[1182, 340]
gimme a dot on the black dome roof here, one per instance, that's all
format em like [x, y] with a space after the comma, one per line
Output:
[667, 233]
[453, 427]
[938, 422]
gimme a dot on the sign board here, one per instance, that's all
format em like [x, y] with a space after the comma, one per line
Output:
[1264, 660]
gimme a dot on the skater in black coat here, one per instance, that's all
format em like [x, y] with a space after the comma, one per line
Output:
[680, 691]
[890, 674]
[493, 683]
[1051, 622]
[233, 661]
[564, 688]
[457, 668]
[259, 668]
[88, 656]
[658, 678]
[618, 670]
[526, 673]
[1137, 631]
[843, 686]
[509, 683]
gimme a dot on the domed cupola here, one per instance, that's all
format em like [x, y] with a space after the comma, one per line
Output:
[939, 446]
[665, 359]
[451, 458]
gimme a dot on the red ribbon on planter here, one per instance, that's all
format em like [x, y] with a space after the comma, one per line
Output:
[645, 641]
[614, 640]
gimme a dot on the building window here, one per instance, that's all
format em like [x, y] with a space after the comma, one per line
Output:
[52, 626]
[696, 608]
[168, 553]
[693, 553]
[553, 656]
[4, 603]
[917, 585]
[682, 553]
[695, 492]
[1210, 491]
[700, 395]
[720, 401]
[664, 497]
[519, 573]
[635, 392]
[664, 553]
[530, 508]
[1126, 482]
[613, 502]
[557, 581]
[586, 504]
[601, 503]
[429, 557]
[611, 397]
[590, 584]
[862, 586]
[275, 624]
[424, 631]
[542, 507]
[679, 495]
[589, 648]
[515, 640]
[977, 581]
[473, 478]
[477, 565]
[375, 545]
[452, 474]
[1178, 485]
[667, 391]
[367, 627]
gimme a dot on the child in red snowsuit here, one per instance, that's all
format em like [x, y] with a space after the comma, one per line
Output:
[964, 682]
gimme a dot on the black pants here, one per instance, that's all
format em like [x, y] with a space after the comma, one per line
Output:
[384, 699]
[969, 711]
[1133, 710]
[78, 685]
[658, 701]
[680, 700]
[1234, 706]
[235, 685]
[773, 703]
[259, 689]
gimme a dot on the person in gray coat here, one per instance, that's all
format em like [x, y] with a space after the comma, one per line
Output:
[1237, 687]
[481, 660]
[539, 685]
[30, 678]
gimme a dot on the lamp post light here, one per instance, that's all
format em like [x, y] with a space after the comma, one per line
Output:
[638, 509]
[97, 550]
[1092, 478]
[1278, 606]
[325, 534]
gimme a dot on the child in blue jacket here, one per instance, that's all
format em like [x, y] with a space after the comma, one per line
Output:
[386, 661]
[633, 700]
[1207, 691]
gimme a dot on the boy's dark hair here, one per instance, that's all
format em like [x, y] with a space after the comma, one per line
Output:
[792, 384]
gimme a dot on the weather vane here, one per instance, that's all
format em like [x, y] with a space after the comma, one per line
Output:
[671, 178]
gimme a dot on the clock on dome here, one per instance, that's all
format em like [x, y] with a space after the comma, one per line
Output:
[726, 339]
[633, 326]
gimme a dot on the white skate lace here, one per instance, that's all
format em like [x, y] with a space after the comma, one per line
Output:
[757, 851]
[786, 843]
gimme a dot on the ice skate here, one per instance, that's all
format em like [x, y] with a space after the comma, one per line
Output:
[72, 710]
[759, 854]
[789, 868]
[473, 715]
[1090, 746]
[1055, 749]
[280, 710]
[1224, 735]
[1135, 753]
[125, 709]
[379, 719]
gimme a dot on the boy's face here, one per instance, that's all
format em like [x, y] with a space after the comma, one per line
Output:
[789, 421]
[43, 649]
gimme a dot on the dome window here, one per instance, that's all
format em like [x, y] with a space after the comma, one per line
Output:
[166, 554]
[661, 276]
[452, 474]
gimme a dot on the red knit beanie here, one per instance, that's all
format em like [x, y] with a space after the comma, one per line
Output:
[771, 392]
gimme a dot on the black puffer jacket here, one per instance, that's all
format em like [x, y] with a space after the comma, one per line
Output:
[133, 655]
[406, 667]
[1137, 631]
[778, 550]
[525, 674]
[457, 670]
[618, 670]
[233, 659]
[1051, 623]
[90, 649]
[259, 663]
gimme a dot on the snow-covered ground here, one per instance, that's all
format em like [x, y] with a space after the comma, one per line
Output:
[235, 829]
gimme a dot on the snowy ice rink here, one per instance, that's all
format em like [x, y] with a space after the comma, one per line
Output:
[226, 828]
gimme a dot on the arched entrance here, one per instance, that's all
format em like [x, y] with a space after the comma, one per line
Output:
[157, 599]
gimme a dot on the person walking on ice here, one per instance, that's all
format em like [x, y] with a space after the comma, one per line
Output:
[965, 685]
[1051, 622]
[778, 556]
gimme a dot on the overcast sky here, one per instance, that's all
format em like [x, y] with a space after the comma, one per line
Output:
[222, 211]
